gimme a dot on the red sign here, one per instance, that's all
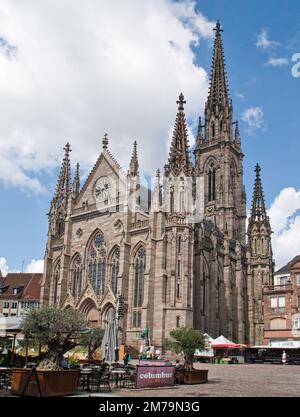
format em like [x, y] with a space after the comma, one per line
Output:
[154, 376]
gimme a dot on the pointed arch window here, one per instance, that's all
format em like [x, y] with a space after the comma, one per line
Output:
[56, 275]
[77, 276]
[211, 182]
[139, 272]
[97, 263]
[60, 226]
[115, 260]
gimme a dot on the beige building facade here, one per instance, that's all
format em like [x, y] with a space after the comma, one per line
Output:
[173, 256]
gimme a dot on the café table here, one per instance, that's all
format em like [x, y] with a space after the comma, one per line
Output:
[119, 377]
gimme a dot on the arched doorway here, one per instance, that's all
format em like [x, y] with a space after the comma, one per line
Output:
[89, 309]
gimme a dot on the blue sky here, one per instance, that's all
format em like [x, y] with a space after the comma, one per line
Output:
[53, 89]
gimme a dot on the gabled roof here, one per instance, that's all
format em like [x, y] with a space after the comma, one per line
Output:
[284, 270]
[111, 161]
[294, 260]
[29, 285]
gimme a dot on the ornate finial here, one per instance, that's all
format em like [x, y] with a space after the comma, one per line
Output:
[158, 173]
[218, 28]
[181, 101]
[67, 149]
[257, 169]
[105, 141]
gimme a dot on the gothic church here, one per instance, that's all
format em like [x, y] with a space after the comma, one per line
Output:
[111, 250]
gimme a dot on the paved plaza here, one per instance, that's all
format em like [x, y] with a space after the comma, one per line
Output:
[256, 380]
[234, 381]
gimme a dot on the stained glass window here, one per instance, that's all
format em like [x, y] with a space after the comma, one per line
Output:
[97, 263]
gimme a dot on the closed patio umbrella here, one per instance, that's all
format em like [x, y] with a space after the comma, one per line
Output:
[109, 342]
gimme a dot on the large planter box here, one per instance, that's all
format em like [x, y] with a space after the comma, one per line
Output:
[196, 376]
[52, 383]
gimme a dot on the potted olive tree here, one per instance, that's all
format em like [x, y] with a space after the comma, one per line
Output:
[186, 340]
[56, 331]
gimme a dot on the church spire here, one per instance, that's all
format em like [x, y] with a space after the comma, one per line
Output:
[76, 182]
[134, 163]
[179, 157]
[200, 139]
[258, 210]
[218, 107]
[218, 92]
[64, 180]
[59, 204]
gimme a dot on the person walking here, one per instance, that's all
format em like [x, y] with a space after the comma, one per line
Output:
[126, 358]
[283, 359]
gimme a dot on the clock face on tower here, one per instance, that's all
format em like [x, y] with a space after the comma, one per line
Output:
[103, 189]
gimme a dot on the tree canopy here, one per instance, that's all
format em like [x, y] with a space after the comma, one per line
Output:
[55, 329]
[186, 340]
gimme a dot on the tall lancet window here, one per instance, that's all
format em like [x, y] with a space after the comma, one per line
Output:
[115, 260]
[211, 182]
[97, 263]
[171, 200]
[55, 283]
[77, 276]
[138, 287]
[213, 130]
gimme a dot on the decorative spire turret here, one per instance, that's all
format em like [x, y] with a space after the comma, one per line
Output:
[157, 196]
[237, 139]
[76, 182]
[258, 211]
[200, 138]
[179, 158]
[59, 204]
[134, 163]
[64, 179]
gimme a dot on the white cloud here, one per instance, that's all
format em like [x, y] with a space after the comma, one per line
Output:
[79, 72]
[35, 266]
[263, 42]
[240, 95]
[254, 117]
[277, 62]
[285, 223]
[3, 266]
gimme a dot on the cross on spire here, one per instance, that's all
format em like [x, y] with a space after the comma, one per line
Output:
[218, 28]
[67, 149]
[181, 101]
[105, 141]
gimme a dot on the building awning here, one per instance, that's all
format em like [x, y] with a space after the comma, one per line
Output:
[9, 325]
[222, 342]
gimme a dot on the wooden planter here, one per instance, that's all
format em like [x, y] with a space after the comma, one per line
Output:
[52, 383]
[196, 376]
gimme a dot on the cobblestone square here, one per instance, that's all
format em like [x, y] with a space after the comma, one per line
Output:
[256, 380]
